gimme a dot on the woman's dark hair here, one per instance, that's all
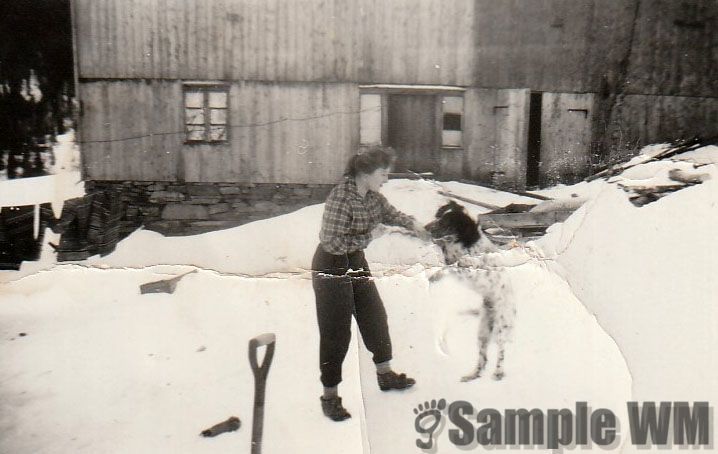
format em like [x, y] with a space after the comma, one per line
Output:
[369, 159]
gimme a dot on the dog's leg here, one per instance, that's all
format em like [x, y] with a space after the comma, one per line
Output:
[499, 371]
[485, 327]
[504, 321]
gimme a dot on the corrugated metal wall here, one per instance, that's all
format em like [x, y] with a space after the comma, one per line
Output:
[549, 45]
[545, 45]
[411, 41]
[289, 133]
[131, 129]
[304, 59]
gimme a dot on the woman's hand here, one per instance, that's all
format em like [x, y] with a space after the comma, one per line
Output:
[419, 230]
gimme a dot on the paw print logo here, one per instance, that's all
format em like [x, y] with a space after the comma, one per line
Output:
[428, 417]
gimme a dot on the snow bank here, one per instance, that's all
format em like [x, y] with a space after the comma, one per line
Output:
[286, 244]
[648, 274]
[105, 369]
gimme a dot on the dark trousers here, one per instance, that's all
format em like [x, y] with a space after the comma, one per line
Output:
[341, 293]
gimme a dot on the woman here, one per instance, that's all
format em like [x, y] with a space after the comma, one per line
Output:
[342, 280]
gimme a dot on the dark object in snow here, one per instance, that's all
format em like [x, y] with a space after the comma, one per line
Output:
[682, 176]
[514, 208]
[260, 384]
[22, 334]
[230, 425]
[17, 234]
[163, 286]
[643, 195]
[89, 225]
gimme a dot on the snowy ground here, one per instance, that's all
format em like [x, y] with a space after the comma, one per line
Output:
[103, 369]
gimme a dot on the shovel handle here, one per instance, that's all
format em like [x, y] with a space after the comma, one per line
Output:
[269, 340]
[260, 383]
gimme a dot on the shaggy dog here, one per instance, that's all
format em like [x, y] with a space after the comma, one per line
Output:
[464, 247]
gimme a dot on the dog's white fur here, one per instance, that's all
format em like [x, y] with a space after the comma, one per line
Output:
[474, 266]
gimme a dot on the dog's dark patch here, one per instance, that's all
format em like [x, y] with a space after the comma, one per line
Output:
[452, 219]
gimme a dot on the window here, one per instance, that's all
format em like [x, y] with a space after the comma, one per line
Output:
[370, 119]
[453, 111]
[206, 110]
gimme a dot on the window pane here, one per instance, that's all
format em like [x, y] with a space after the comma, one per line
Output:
[452, 122]
[218, 116]
[218, 133]
[370, 119]
[453, 104]
[193, 98]
[194, 116]
[451, 138]
[217, 99]
[195, 132]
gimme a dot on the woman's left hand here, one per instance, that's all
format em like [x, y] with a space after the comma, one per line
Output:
[420, 231]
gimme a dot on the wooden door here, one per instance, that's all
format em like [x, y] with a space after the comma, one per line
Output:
[566, 120]
[511, 113]
[413, 132]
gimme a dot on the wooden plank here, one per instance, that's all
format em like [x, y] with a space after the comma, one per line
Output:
[523, 220]
[468, 200]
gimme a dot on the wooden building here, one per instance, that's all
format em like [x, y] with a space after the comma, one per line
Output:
[222, 99]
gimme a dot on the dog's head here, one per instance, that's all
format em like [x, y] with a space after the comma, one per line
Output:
[454, 230]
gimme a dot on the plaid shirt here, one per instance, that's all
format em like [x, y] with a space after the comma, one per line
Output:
[349, 219]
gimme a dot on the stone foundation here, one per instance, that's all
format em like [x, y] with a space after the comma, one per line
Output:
[190, 208]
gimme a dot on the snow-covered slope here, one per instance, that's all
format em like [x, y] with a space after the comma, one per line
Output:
[101, 368]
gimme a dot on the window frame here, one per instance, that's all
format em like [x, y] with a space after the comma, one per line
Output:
[206, 88]
[441, 120]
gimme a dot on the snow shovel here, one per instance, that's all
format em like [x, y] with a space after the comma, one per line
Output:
[260, 384]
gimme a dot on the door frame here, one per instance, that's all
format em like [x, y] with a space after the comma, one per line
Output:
[385, 90]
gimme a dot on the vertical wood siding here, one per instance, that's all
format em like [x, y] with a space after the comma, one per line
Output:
[399, 41]
[280, 133]
[565, 136]
[296, 133]
[131, 130]
[496, 136]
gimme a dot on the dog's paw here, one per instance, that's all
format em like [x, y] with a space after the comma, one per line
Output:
[470, 377]
[434, 277]
[498, 375]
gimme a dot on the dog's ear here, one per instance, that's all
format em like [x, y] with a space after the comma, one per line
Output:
[445, 208]
[456, 207]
